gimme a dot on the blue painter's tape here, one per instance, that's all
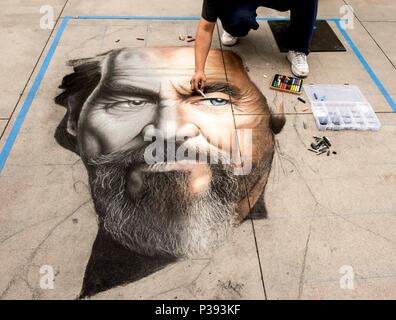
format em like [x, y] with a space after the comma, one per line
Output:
[272, 19]
[29, 99]
[176, 18]
[367, 67]
[164, 18]
[288, 19]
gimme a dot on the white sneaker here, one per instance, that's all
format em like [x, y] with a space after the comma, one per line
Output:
[299, 64]
[227, 39]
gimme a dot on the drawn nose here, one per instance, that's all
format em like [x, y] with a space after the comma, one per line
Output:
[149, 132]
[177, 133]
[186, 131]
[170, 126]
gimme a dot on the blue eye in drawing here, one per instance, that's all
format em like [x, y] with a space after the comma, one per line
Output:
[217, 102]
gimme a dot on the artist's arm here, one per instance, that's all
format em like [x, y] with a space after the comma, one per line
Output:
[203, 41]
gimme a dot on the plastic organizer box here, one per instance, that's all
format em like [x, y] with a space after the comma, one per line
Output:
[341, 107]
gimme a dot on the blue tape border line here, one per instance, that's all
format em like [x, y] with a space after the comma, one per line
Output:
[366, 66]
[37, 82]
[29, 99]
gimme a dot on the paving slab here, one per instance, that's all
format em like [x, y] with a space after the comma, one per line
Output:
[382, 32]
[8, 102]
[337, 243]
[344, 198]
[374, 56]
[21, 34]
[383, 10]
[375, 288]
[307, 258]
[28, 10]
[17, 68]
[3, 124]
[326, 9]
[133, 8]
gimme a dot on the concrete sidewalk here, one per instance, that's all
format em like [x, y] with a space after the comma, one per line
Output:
[327, 217]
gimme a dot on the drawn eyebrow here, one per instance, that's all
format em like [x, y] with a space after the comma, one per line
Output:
[111, 88]
[224, 88]
[213, 87]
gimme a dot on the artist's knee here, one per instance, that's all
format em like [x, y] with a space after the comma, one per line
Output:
[283, 9]
[240, 21]
[242, 17]
[284, 5]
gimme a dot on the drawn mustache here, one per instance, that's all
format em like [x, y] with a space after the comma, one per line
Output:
[160, 157]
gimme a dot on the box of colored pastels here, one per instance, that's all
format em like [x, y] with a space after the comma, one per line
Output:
[287, 84]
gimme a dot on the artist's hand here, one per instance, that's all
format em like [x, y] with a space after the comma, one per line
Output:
[198, 81]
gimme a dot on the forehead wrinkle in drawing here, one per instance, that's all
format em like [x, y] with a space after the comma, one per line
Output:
[150, 68]
[157, 61]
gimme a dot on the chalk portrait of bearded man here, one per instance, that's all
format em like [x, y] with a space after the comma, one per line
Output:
[122, 103]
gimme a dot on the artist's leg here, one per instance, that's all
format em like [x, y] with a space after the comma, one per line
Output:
[237, 20]
[303, 15]
[279, 5]
[302, 23]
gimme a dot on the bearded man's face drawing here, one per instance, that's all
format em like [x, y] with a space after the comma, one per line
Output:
[164, 162]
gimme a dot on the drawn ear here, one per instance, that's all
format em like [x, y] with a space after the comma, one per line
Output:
[278, 119]
[77, 87]
[72, 118]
